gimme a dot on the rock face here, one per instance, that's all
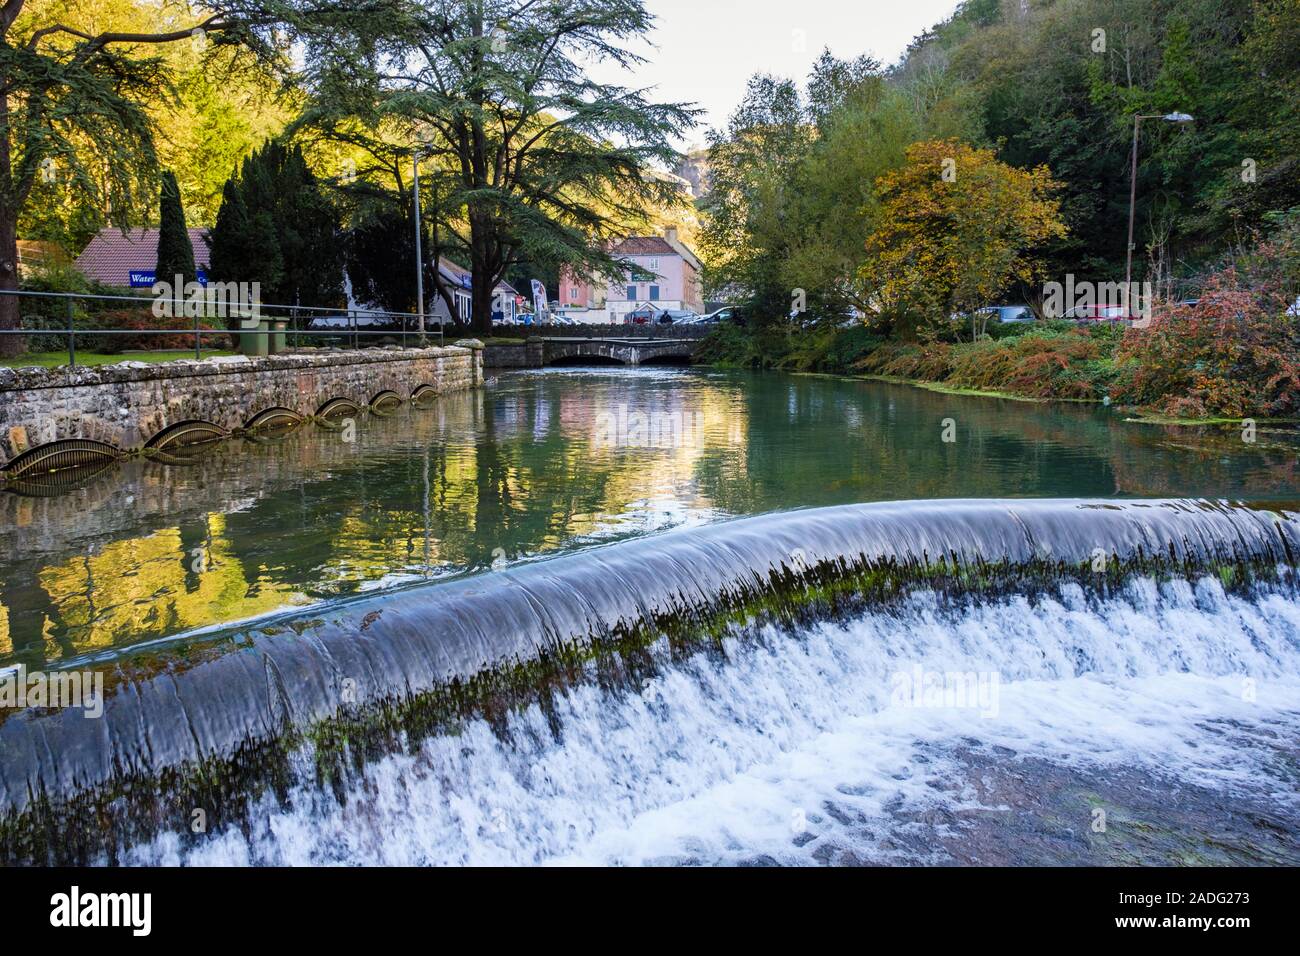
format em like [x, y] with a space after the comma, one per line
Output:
[127, 405]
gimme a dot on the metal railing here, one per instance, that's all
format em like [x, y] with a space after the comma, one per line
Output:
[357, 325]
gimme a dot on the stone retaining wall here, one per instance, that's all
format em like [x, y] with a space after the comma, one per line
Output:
[513, 356]
[127, 404]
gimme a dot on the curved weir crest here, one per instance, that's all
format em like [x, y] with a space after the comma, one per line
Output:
[228, 723]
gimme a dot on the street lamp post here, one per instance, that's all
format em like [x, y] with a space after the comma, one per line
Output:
[419, 253]
[1133, 186]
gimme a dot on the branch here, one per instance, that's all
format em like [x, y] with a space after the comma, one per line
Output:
[98, 42]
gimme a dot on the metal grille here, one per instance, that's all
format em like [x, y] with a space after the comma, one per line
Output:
[58, 455]
[187, 433]
[273, 418]
[338, 406]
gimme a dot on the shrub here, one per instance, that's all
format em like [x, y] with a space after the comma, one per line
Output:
[1235, 354]
[1037, 364]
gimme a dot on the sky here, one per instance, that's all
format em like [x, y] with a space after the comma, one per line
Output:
[704, 50]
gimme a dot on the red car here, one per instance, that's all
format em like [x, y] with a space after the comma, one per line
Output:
[1099, 313]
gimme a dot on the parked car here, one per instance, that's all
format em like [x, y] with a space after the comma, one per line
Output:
[725, 314]
[1099, 313]
[1012, 313]
[374, 329]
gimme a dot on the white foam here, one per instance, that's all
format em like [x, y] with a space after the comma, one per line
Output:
[796, 740]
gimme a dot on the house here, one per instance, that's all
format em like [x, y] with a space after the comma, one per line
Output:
[578, 294]
[505, 299]
[127, 259]
[662, 272]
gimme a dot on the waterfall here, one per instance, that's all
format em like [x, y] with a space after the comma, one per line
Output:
[736, 645]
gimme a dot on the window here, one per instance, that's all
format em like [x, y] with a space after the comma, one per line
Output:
[654, 265]
[654, 293]
[631, 292]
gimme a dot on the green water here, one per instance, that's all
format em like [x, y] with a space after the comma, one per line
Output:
[543, 462]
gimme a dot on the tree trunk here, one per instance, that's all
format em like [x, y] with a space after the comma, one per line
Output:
[10, 311]
[483, 270]
[481, 299]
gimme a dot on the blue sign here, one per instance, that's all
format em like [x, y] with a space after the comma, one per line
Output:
[143, 278]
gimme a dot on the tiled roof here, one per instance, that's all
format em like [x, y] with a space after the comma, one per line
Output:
[451, 269]
[111, 255]
[644, 246]
[455, 273]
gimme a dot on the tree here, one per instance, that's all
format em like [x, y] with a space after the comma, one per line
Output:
[956, 227]
[751, 164]
[175, 254]
[229, 252]
[61, 88]
[74, 99]
[276, 227]
[380, 252]
[526, 157]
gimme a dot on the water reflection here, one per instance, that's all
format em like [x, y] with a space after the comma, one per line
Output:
[540, 462]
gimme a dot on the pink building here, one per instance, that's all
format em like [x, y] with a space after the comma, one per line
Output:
[576, 294]
[662, 274]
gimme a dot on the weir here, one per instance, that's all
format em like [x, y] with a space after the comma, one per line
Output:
[211, 720]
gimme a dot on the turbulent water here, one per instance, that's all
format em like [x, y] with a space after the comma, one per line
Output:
[1159, 725]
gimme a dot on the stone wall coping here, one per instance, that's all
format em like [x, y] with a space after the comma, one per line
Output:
[34, 377]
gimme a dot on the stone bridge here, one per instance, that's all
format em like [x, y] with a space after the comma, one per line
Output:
[52, 419]
[538, 352]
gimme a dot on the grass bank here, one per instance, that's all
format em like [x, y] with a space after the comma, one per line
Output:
[1183, 370]
[58, 359]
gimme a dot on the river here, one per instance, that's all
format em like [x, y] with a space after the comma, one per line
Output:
[1155, 722]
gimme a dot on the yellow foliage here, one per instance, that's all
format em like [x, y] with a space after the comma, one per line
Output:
[956, 227]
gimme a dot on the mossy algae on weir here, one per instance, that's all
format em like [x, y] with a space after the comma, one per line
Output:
[72, 818]
[96, 825]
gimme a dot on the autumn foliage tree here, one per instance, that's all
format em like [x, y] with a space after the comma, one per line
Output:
[956, 228]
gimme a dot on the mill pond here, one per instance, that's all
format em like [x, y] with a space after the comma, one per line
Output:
[652, 616]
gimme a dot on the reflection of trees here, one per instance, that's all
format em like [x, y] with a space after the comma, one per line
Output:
[517, 467]
[824, 441]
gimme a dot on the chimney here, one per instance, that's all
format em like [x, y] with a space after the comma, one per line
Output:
[670, 233]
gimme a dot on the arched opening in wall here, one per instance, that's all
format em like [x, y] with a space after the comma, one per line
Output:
[681, 361]
[273, 419]
[424, 394]
[194, 431]
[573, 361]
[337, 408]
[384, 402]
[185, 442]
[66, 454]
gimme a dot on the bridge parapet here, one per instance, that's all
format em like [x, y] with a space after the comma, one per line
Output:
[537, 351]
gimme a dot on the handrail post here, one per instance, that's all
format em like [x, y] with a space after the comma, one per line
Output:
[72, 339]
